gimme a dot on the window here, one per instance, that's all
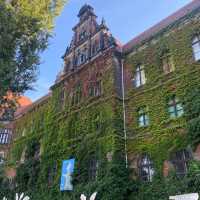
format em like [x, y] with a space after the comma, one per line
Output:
[175, 107]
[76, 95]
[83, 35]
[2, 158]
[52, 172]
[95, 47]
[168, 65]
[196, 47]
[180, 161]
[84, 55]
[139, 76]
[62, 96]
[95, 88]
[68, 66]
[146, 169]
[93, 168]
[5, 135]
[143, 118]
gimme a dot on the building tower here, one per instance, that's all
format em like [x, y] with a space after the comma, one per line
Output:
[89, 40]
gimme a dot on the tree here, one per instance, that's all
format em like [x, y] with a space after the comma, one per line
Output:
[25, 27]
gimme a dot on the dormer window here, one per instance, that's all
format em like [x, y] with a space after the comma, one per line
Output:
[196, 47]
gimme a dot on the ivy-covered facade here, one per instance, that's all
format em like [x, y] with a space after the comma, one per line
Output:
[129, 115]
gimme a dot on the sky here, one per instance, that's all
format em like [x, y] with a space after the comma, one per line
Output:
[125, 19]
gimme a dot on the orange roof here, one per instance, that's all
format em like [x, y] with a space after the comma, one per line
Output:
[24, 101]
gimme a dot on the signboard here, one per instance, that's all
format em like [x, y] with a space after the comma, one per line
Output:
[192, 196]
[66, 176]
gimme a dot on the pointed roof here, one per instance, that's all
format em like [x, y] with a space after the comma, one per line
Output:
[84, 9]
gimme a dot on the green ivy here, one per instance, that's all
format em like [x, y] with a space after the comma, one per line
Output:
[94, 127]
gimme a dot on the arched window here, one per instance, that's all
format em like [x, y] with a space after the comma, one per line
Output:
[146, 170]
[196, 47]
[180, 161]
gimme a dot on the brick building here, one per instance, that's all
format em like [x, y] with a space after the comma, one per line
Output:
[113, 103]
[7, 126]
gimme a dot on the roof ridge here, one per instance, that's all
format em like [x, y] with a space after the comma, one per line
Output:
[182, 12]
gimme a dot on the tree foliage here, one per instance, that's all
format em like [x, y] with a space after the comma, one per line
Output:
[25, 27]
[43, 10]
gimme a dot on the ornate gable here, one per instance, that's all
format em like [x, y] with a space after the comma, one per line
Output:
[89, 40]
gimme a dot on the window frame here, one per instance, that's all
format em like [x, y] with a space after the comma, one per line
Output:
[76, 95]
[149, 166]
[144, 115]
[95, 88]
[196, 53]
[175, 107]
[181, 158]
[139, 77]
[93, 169]
[5, 136]
[62, 97]
[167, 66]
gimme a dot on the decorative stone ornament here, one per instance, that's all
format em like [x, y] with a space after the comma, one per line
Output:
[93, 196]
[192, 196]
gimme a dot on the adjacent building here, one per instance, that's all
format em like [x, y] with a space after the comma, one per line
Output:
[6, 128]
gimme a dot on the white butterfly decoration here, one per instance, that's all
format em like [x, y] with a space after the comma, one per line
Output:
[83, 197]
[19, 197]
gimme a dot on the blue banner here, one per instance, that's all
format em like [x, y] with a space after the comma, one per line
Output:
[66, 176]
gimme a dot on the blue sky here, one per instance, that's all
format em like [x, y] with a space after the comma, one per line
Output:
[126, 19]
